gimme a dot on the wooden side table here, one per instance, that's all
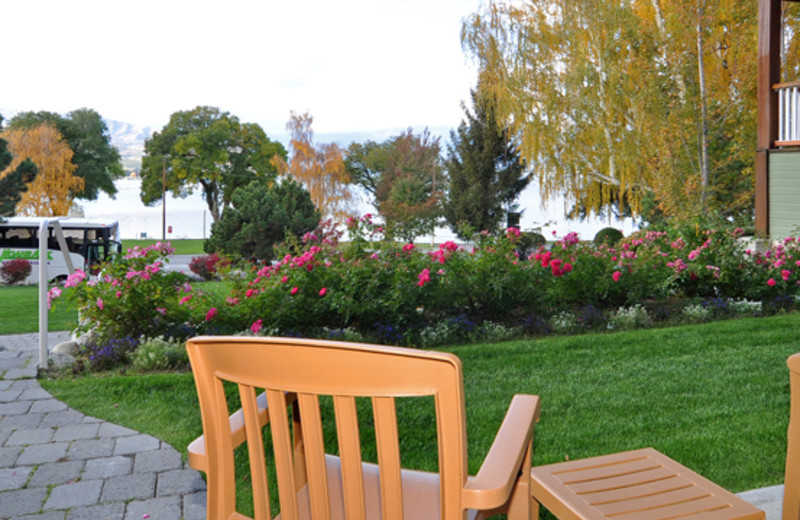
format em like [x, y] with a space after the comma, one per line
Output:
[634, 485]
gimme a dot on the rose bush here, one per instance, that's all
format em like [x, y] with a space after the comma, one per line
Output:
[133, 296]
[207, 267]
[380, 290]
[15, 271]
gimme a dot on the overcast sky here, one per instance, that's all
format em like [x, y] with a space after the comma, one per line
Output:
[355, 65]
[358, 66]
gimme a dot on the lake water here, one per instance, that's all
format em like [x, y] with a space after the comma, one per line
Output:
[190, 218]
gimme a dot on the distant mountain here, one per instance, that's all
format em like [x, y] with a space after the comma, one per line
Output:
[343, 139]
[129, 140]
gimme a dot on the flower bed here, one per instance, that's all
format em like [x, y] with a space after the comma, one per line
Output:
[377, 290]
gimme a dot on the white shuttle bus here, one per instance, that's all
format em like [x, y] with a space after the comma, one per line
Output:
[89, 242]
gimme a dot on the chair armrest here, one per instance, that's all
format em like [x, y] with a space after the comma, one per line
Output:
[197, 448]
[495, 481]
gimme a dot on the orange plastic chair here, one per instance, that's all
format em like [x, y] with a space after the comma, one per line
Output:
[315, 484]
[791, 482]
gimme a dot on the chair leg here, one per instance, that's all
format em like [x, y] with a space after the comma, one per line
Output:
[521, 505]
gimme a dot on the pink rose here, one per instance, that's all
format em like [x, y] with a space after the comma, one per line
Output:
[256, 326]
[424, 277]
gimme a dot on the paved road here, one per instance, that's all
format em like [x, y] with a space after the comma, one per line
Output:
[58, 464]
[180, 263]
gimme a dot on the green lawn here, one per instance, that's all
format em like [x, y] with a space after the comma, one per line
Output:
[182, 246]
[19, 311]
[715, 397]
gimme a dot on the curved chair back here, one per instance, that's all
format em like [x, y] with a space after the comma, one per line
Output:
[298, 372]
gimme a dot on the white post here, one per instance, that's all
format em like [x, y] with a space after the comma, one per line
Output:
[43, 232]
[796, 113]
[62, 245]
[782, 111]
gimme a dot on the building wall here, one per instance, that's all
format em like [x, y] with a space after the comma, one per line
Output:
[784, 193]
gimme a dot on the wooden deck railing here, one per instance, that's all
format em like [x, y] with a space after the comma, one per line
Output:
[788, 113]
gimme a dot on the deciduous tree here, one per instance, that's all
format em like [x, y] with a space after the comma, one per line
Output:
[51, 193]
[615, 99]
[13, 183]
[365, 163]
[484, 169]
[319, 168]
[97, 161]
[209, 148]
[405, 179]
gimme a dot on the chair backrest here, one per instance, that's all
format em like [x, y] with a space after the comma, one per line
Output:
[308, 369]
[791, 484]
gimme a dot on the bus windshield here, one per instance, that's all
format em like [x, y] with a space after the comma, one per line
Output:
[88, 242]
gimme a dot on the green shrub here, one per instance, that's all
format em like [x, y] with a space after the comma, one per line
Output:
[260, 216]
[632, 317]
[529, 242]
[156, 354]
[608, 236]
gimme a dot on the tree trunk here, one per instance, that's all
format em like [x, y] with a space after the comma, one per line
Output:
[210, 192]
[703, 155]
[662, 30]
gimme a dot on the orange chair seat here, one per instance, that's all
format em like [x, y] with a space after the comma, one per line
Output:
[421, 493]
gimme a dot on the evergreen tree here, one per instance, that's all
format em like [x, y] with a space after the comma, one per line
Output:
[485, 170]
[261, 215]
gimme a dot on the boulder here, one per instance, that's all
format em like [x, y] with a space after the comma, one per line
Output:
[69, 348]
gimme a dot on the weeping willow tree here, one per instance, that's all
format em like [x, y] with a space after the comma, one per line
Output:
[617, 100]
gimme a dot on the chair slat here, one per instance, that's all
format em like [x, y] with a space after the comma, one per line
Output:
[300, 478]
[221, 483]
[315, 455]
[255, 449]
[350, 453]
[282, 446]
[388, 457]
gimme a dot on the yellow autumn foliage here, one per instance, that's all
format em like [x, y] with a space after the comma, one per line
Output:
[615, 101]
[51, 193]
[319, 168]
